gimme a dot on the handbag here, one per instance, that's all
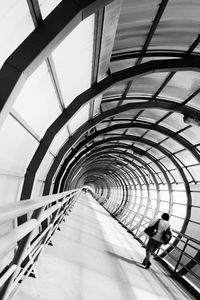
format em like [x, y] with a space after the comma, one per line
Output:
[166, 236]
[151, 230]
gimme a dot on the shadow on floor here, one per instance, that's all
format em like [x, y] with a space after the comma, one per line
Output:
[128, 260]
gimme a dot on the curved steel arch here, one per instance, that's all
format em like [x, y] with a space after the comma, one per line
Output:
[117, 175]
[160, 148]
[88, 125]
[39, 45]
[131, 156]
[188, 213]
[159, 166]
[140, 171]
[133, 72]
[150, 53]
[184, 226]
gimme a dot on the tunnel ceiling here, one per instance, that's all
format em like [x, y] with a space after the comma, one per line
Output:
[148, 111]
[105, 95]
[108, 90]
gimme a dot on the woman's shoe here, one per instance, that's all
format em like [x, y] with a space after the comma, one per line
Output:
[147, 265]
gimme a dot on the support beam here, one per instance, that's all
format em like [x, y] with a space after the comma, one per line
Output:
[39, 45]
[79, 101]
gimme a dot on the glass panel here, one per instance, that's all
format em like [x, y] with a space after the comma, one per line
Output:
[174, 122]
[116, 91]
[122, 64]
[97, 104]
[164, 207]
[147, 84]
[171, 145]
[153, 194]
[179, 197]
[17, 146]
[186, 158]
[153, 204]
[15, 25]
[162, 177]
[167, 163]
[155, 136]
[195, 102]
[154, 167]
[109, 105]
[37, 103]
[141, 146]
[136, 132]
[164, 195]
[191, 134]
[178, 27]
[37, 188]
[10, 187]
[73, 60]
[79, 118]
[188, 175]
[176, 223]
[195, 187]
[177, 176]
[178, 187]
[181, 86]
[156, 153]
[193, 230]
[195, 213]
[132, 32]
[195, 198]
[47, 6]
[152, 115]
[179, 210]
[59, 140]
[195, 171]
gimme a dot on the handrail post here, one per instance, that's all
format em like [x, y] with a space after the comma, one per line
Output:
[23, 244]
[37, 216]
[181, 255]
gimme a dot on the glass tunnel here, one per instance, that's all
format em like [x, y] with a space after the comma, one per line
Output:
[101, 96]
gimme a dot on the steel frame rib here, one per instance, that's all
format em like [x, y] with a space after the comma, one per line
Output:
[152, 30]
[99, 19]
[150, 53]
[131, 157]
[153, 66]
[68, 144]
[39, 45]
[171, 75]
[163, 171]
[37, 20]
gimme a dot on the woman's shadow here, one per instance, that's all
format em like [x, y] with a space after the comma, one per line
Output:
[130, 261]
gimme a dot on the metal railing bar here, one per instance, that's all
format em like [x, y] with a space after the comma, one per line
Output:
[187, 237]
[8, 273]
[32, 246]
[21, 272]
[11, 238]
[180, 263]
[18, 209]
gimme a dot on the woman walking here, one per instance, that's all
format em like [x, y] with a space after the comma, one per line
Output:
[156, 240]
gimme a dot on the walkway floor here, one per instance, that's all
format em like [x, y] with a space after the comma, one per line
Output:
[94, 258]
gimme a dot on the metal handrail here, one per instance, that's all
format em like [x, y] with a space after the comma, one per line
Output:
[20, 239]
[178, 236]
[178, 263]
[13, 210]
[187, 236]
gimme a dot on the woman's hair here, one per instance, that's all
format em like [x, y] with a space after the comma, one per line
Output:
[165, 216]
